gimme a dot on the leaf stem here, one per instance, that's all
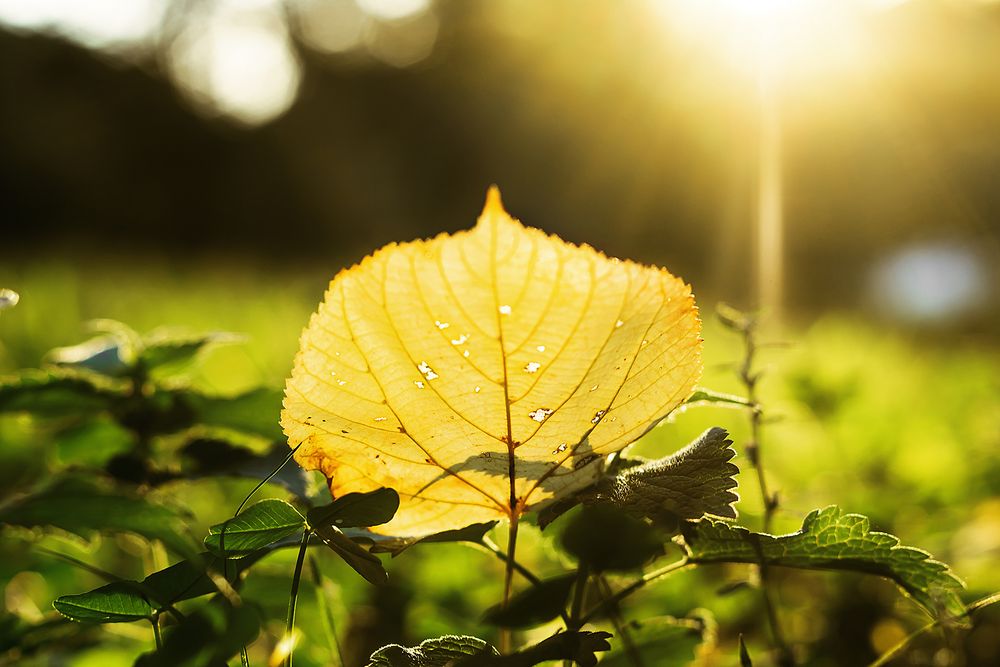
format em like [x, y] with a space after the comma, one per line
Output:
[157, 639]
[615, 599]
[621, 629]
[293, 597]
[329, 623]
[505, 633]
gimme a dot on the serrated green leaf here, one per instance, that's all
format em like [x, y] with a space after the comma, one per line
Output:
[576, 646]
[117, 602]
[59, 393]
[437, 652]
[356, 510]
[606, 538]
[93, 443]
[663, 641]
[832, 540]
[693, 482]
[703, 395]
[174, 351]
[364, 563]
[84, 508]
[397, 545]
[533, 606]
[255, 527]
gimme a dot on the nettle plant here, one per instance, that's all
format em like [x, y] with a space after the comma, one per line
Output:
[446, 388]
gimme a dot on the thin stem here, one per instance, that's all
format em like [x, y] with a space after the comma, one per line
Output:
[293, 597]
[508, 580]
[615, 599]
[904, 644]
[329, 623]
[155, 621]
[621, 629]
[532, 578]
[576, 608]
[747, 326]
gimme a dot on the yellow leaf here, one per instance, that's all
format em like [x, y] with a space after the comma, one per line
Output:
[486, 373]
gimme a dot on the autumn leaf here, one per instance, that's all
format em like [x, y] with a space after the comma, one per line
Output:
[486, 373]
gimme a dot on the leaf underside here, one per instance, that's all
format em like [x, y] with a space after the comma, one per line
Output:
[486, 373]
[833, 540]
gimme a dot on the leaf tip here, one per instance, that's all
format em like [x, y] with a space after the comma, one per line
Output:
[493, 205]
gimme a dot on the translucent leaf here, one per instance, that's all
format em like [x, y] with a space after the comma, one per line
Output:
[702, 395]
[486, 373]
[438, 652]
[115, 603]
[255, 527]
[832, 540]
[83, 508]
[689, 484]
[105, 355]
[533, 606]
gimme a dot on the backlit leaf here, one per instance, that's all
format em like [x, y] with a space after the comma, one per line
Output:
[832, 540]
[689, 484]
[438, 652]
[114, 603]
[59, 393]
[486, 373]
[256, 527]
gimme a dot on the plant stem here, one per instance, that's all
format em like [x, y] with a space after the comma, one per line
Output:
[576, 608]
[615, 599]
[293, 597]
[621, 629]
[747, 326]
[329, 623]
[532, 578]
[508, 580]
[157, 639]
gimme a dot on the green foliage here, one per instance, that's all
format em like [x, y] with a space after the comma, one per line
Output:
[663, 641]
[437, 652]
[117, 602]
[356, 510]
[832, 540]
[84, 508]
[694, 482]
[258, 526]
[541, 602]
[604, 538]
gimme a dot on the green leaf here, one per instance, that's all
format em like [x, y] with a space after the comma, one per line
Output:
[606, 538]
[356, 510]
[117, 602]
[105, 355]
[59, 393]
[256, 411]
[397, 545]
[364, 563]
[703, 395]
[174, 351]
[533, 606]
[689, 484]
[576, 646]
[93, 442]
[215, 456]
[84, 508]
[437, 652]
[256, 527]
[832, 540]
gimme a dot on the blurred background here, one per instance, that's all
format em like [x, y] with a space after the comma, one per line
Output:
[213, 163]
